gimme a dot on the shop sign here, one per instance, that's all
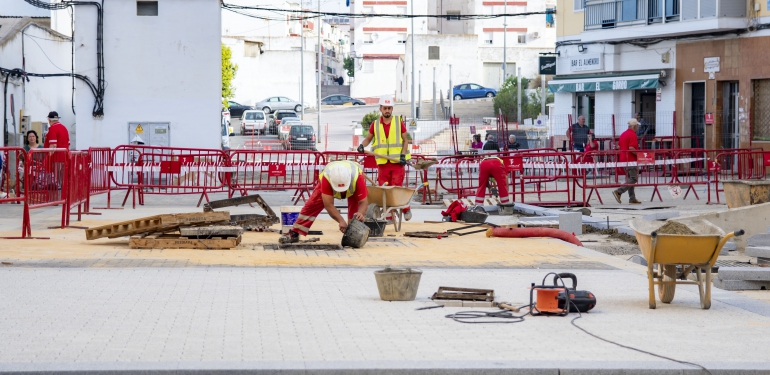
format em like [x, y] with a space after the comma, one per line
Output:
[711, 64]
[586, 62]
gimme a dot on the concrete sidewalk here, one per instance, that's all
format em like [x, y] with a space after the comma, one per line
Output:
[70, 305]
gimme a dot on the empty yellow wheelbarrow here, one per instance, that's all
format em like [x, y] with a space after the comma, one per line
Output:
[387, 201]
[664, 252]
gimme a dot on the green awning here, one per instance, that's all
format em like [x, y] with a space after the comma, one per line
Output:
[603, 83]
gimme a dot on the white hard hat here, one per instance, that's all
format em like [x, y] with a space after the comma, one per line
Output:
[386, 100]
[340, 176]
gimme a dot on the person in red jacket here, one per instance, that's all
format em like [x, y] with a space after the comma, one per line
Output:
[57, 136]
[495, 168]
[628, 145]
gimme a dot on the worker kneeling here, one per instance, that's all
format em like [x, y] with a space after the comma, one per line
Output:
[340, 179]
[495, 168]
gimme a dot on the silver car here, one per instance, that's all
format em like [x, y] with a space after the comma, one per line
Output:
[277, 103]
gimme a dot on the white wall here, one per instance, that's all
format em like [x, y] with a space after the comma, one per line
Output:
[21, 8]
[41, 95]
[458, 50]
[161, 69]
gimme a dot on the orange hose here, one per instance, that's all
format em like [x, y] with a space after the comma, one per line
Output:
[534, 232]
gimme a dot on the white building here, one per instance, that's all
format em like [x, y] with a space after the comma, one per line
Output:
[28, 42]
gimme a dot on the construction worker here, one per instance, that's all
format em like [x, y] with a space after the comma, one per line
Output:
[339, 179]
[390, 146]
[495, 168]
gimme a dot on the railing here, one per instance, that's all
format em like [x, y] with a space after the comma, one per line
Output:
[600, 14]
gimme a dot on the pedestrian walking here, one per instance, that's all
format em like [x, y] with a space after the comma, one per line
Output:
[389, 138]
[492, 167]
[342, 179]
[628, 145]
[57, 136]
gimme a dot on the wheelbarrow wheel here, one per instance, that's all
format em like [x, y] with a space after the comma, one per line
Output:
[373, 211]
[666, 291]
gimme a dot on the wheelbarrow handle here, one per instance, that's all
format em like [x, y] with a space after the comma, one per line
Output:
[739, 232]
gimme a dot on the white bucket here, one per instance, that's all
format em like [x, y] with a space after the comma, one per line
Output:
[289, 215]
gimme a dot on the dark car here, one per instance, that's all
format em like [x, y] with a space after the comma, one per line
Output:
[472, 90]
[236, 110]
[341, 99]
[301, 137]
[275, 119]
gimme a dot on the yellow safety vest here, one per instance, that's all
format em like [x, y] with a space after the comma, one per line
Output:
[355, 167]
[388, 144]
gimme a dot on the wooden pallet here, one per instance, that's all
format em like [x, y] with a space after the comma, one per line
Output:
[176, 241]
[157, 224]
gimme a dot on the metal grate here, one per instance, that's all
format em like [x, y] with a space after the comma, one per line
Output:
[761, 109]
[433, 53]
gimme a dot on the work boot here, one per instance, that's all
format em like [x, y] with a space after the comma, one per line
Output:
[408, 215]
[617, 196]
[291, 237]
[634, 201]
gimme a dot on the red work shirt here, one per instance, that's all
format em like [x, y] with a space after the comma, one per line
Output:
[387, 126]
[628, 139]
[57, 136]
[360, 193]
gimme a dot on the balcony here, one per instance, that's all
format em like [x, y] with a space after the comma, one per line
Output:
[710, 15]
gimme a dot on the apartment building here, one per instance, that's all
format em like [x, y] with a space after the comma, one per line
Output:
[691, 67]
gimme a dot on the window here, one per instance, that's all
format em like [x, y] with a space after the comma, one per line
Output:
[474, 87]
[285, 99]
[146, 8]
[368, 38]
[433, 53]
[250, 49]
[401, 37]
[579, 5]
[368, 66]
[273, 99]
[453, 15]
[488, 38]
[761, 107]
[522, 38]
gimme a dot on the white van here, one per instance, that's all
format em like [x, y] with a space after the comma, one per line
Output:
[253, 121]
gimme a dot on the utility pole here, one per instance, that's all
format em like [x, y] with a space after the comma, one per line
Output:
[318, 76]
[434, 93]
[451, 93]
[302, 65]
[544, 94]
[412, 82]
[505, 42]
[419, 93]
[518, 99]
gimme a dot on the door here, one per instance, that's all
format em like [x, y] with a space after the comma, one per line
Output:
[475, 91]
[286, 103]
[698, 113]
[586, 102]
[493, 75]
[730, 131]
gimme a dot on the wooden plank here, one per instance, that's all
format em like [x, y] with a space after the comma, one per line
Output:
[215, 231]
[175, 241]
[157, 224]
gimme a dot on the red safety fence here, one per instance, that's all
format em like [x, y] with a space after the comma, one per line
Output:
[274, 170]
[544, 172]
[101, 160]
[79, 186]
[737, 165]
[12, 175]
[368, 162]
[169, 171]
[45, 183]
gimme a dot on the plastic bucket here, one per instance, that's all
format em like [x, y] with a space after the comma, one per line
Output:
[289, 215]
[376, 227]
[397, 285]
[356, 234]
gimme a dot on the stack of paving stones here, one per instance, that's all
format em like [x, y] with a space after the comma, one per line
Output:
[749, 278]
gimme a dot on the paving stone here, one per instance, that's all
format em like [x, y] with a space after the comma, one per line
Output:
[741, 284]
[626, 230]
[538, 218]
[571, 222]
[661, 215]
[758, 251]
[730, 246]
[744, 273]
[638, 259]
[762, 239]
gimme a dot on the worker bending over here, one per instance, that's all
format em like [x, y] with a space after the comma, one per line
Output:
[495, 168]
[339, 179]
[390, 146]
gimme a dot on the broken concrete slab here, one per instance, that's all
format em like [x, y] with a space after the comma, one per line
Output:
[744, 273]
[741, 284]
[661, 215]
[736, 218]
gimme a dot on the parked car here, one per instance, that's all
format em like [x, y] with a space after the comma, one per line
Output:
[277, 103]
[301, 137]
[236, 109]
[341, 99]
[276, 118]
[253, 121]
[286, 124]
[472, 90]
[225, 136]
[226, 121]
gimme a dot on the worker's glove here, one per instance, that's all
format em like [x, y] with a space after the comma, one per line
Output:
[360, 149]
[402, 161]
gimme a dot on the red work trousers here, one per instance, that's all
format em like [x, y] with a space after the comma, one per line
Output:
[313, 206]
[393, 174]
[492, 168]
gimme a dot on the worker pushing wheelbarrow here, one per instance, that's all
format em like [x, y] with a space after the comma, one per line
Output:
[676, 248]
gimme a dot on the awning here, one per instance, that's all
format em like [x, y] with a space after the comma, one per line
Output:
[609, 82]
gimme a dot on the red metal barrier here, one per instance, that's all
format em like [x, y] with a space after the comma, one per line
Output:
[274, 170]
[737, 165]
[79, 184]
[367, 161]
[544, 172]
[169, 171]
[45, 183]
[101, 160]
[12, 175]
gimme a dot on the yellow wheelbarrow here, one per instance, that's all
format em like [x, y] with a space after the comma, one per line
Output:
[387, 201]
[664, 252]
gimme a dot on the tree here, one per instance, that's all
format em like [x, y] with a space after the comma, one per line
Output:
[532, 108]
[367, 121]
[507, 100]
[350, 66]
[228, 73]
